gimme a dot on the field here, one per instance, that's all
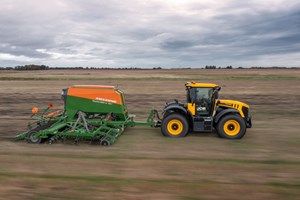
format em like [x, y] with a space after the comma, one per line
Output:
[143, 164]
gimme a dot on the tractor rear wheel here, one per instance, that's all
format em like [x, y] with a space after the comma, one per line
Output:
[231, 127]
[174, 125]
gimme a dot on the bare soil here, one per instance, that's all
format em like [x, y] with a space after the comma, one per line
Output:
[143, 164]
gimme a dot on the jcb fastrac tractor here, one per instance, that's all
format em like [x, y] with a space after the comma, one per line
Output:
[203, 112]
[99, 114]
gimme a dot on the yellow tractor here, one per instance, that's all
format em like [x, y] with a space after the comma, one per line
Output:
[205, 111]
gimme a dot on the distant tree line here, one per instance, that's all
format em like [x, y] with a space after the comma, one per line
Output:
[26, 67]
[103, 68]
[254, 67]
[215, 67]
[44, 67]
[274, 67]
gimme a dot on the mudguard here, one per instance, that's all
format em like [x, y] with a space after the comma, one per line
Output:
[224, 112]
[175, 107]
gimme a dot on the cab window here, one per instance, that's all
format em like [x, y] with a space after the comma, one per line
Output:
[198, 94]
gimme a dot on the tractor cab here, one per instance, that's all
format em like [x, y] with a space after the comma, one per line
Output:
[201, 98]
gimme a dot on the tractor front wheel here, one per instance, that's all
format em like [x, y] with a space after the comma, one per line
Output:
[174, 125]
[231, 127]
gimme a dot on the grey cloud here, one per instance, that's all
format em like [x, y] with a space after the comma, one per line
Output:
[126, 33]
[177, 44]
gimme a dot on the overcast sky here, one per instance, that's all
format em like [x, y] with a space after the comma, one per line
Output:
[166, 33]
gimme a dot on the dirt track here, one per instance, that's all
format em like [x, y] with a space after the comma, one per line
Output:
[142, 163]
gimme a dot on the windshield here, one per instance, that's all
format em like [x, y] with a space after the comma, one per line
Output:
[197, 94]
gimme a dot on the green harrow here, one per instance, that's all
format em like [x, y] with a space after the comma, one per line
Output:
[91, 121]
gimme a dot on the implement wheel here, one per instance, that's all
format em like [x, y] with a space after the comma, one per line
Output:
[31, 139]
[30, 135]
[174, 125]
[231, 127]
[105, 142]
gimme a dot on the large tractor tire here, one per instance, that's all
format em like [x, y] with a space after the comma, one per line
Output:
[174, 125]
[231, 127]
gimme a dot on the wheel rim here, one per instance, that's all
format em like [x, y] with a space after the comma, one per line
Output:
[232, 127]
[175, 127]
[34, 139]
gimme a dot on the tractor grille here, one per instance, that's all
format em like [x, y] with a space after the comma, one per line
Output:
[245, 111]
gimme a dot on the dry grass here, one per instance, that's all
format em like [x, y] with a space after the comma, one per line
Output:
[143, 164]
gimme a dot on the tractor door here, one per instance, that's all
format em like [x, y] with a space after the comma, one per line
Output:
[201, 101]
[204, 101]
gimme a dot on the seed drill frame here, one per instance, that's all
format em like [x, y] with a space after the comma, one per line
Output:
[94, 113]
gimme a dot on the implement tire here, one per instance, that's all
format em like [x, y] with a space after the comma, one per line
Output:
[34, 131]
[231, 127]
[175, 125]
[31, 139]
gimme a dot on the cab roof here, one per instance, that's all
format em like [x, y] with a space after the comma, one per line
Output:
[200, 85]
